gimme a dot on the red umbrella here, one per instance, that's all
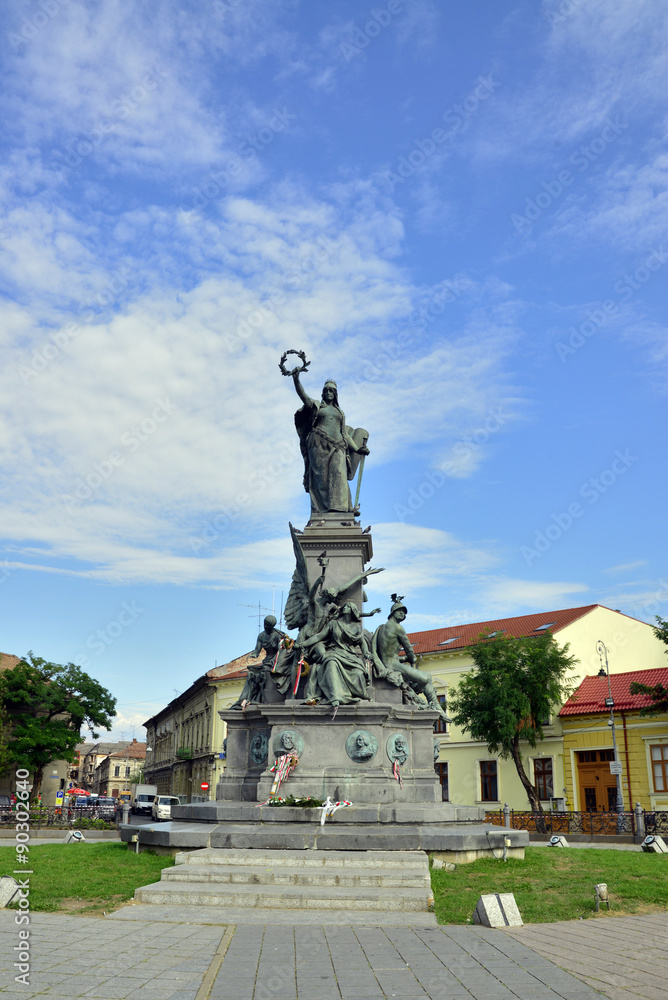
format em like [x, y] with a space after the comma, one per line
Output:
[77, 791]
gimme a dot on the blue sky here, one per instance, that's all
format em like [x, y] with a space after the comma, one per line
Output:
[459, 211]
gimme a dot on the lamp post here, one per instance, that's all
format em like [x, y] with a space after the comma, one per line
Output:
[602, 651]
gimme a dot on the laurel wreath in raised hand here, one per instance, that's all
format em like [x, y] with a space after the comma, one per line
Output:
[298, 369]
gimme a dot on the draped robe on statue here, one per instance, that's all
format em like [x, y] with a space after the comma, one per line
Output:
[329, 448]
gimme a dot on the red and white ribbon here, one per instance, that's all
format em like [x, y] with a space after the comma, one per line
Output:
[299, 673]
[282, 768]
[396, 770]
[328, 808]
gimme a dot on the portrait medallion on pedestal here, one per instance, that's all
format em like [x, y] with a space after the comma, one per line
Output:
[259, 748]
[397, 748]
[287, 741]
[361, 746]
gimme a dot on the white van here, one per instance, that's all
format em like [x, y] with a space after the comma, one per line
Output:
[162, 806]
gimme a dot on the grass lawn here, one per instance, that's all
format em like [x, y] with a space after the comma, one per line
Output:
[550, 884]
[556, 884]
[84, 878]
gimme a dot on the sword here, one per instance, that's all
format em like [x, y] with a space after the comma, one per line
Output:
[359, 475]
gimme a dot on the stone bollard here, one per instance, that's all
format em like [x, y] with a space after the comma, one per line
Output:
[8, 889]
[640, 823]
[497, 909]
[126, 813]
[506, 815]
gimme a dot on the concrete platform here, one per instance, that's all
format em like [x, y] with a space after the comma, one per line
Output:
[460, 843]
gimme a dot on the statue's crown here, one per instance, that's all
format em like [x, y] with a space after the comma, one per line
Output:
[330, 381]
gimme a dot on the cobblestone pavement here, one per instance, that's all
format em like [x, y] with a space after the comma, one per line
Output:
[626, 958]
[136, 960]
[87, 956]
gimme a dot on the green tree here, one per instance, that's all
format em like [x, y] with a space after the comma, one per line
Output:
[46, 705]
[657, 692]
[504, 700]
[5, 732]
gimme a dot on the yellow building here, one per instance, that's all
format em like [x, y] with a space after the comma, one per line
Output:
[185, 739]
[469, 774]
[642, 744]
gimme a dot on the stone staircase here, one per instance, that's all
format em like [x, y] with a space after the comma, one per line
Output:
[356, 881]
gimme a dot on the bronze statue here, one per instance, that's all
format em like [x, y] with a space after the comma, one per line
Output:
[388, 640]
[331, 450]
[268, 640]
[342, 675]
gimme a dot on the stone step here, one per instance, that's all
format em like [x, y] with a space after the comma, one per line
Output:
[260, 874]
[403, 860]
[225, 915]
[284, 897]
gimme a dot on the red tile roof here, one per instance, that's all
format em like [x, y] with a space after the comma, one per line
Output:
[134, 750]
[466, 635]
[8, 661]
[592, 692]
[235, 668]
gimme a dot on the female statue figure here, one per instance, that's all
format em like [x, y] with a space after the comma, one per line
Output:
[331, 450]
[342, 675]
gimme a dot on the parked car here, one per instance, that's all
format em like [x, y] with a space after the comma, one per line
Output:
[105, 808]
[162, 806]
[82, 802]
[5, 806]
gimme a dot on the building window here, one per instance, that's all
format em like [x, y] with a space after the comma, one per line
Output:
[542, 769]
[591, 756]
[117, 771]
[489, 783]
[127, 772]
[440, 726]
[442, 772]
[659, 756]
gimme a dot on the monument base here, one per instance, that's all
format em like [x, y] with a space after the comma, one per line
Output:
[458, 842]
[347, 756]
[393, 808]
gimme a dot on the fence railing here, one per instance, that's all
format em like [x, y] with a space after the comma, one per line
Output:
[656, 824]
[54, 816]
[637, 823]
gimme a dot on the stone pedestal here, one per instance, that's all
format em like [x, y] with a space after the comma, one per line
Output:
[324, 744]
[348, 550]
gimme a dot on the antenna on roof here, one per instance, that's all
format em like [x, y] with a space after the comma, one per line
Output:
[259, 608]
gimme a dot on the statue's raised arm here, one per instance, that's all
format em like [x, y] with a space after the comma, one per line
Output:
[331, 450]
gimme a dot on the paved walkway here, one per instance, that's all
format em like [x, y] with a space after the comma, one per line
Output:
[626, 958]
[132, 959]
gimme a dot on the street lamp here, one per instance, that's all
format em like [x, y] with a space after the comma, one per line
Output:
[602, 651]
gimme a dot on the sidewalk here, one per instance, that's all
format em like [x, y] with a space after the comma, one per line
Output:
[626, 958]
[139, 959]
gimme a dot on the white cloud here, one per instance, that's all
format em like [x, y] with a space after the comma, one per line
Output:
[627, 205]
[625, 567]
[126, 436]
[128, 724]
[597, 60]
